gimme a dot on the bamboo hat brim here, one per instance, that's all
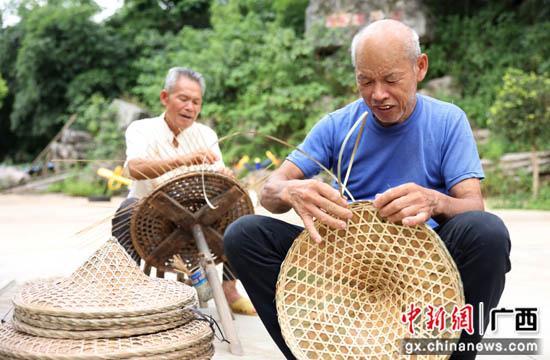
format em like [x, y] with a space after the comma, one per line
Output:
[108, 285]
[192, 341]
[344, 298]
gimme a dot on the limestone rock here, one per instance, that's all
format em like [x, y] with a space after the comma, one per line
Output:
[332, 23]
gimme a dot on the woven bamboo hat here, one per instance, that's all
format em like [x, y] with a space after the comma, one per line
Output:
[108, 285]
[107, 309]
[343, 298]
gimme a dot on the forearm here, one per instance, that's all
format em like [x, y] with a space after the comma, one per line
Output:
[447, 206]
[272, 195]
[141, 169]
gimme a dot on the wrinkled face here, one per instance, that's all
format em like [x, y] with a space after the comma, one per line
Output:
[387, 80]
[183, 104]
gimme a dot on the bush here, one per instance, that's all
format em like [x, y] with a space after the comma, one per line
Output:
[259, 75]
[83, 183]
[477, 50]
[521, 111]
[3, 90]
[98, 117]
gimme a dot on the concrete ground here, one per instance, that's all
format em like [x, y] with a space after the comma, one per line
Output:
[49, 235]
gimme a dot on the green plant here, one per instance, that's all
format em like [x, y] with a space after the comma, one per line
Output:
[84, 183]
[522, 200]
[3, 90]
[477, 47]
[98, 117]
[521, 112]
[260, 76]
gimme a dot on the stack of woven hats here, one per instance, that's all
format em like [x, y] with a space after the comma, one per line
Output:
[107, 309]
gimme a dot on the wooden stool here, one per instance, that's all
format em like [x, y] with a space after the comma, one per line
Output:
[175, 219]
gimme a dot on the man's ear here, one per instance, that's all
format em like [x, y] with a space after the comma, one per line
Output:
[422, 66]
[164, 97]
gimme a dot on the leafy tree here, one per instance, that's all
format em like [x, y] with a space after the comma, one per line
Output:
[163, 16]
[3, 90]
[10, 39]
[291, 13]
[521, 113]
[260, 76]
[64, 57]
[478, 49]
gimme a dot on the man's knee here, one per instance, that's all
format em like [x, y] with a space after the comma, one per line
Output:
[237, 234]
[491, 236]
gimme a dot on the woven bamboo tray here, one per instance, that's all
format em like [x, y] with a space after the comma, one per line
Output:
[149, 227]
[343, 299]
[108, 285]
[188, 342]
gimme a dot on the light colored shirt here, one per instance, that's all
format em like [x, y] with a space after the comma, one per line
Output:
[151, 139]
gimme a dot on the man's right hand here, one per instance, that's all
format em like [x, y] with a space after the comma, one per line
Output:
[198, 157]
[312, 199]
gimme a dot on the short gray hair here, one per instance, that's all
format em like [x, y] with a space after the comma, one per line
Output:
[413, 45]
[176, 72]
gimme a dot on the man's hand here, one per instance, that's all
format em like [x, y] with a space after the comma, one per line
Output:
[198, 157]
[409, 204]
[314, 199]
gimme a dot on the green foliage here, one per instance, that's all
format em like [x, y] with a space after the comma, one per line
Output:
[291, 13]
[260, 76]
[163, 16]
[98, 117]
[3, 90]
[496, 183]
[521, 111]
[522, 200]
[10, 39]
[83, 183]
[478, 49]
[63, 59]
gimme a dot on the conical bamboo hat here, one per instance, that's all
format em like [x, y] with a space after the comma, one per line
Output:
[108, 285]
[344, 298]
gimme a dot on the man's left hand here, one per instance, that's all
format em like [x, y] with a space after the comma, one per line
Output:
[409, 204]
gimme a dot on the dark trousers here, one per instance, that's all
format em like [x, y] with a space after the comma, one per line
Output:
[121, 231]
[478, 242]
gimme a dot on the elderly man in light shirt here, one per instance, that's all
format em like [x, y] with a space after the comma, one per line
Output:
[158, 148]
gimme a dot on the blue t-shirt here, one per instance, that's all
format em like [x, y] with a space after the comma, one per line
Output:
[433, 148]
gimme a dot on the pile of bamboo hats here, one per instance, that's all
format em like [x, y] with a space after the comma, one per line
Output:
[107, 309]
[344, 298]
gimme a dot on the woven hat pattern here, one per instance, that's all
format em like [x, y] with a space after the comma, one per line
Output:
[343, 298]
[107, 309]
[108, 284]
[197, 335]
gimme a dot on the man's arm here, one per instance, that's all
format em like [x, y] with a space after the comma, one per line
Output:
[412, 204]
[311, 199]
[143, 169]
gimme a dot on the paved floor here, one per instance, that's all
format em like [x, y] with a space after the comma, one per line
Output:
[37, 239]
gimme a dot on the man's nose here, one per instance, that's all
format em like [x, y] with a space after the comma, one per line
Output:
[188, 105]
[379, 93]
